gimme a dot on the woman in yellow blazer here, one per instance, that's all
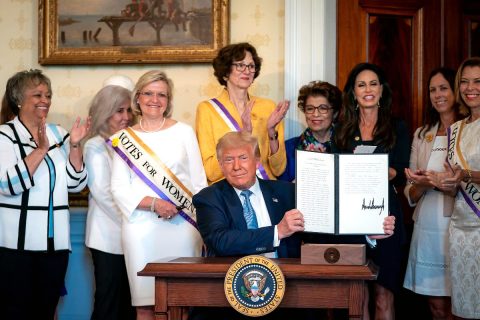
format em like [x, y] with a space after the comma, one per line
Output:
[236, 66]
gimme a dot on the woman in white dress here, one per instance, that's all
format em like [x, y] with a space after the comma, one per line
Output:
[110, 111]
[427, 269]
[156, 170]
[464, 158]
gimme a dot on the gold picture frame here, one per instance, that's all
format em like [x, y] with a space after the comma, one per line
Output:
[72, 32]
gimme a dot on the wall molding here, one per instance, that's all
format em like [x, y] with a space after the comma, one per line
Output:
[310, 51]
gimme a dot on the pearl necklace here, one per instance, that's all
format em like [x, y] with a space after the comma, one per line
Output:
[161, 126]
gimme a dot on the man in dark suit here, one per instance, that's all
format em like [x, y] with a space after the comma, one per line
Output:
[226, 229]
[223, 224]
[220, 207]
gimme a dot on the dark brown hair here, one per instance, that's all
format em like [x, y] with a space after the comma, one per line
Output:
[431, 115]
[222, 63]
[324, 89]
[383, 132]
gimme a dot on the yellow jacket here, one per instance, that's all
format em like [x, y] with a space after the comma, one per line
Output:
[210, 127]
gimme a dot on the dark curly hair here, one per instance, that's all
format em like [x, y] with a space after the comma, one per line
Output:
[222, 63]
[320, 88]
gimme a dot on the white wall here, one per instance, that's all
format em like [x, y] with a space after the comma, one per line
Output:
[310, 51]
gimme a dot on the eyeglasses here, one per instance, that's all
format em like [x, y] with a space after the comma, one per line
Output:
[150, 95]
[322, 109]
[240, 67]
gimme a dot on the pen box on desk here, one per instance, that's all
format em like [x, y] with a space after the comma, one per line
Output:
[338, 254]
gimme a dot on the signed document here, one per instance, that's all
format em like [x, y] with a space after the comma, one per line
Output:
[342, 193]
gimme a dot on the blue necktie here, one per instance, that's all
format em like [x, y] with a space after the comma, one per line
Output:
[248, 212]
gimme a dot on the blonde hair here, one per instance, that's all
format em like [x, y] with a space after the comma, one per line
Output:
[237, 139]
[146, 79]
[469, 62]
[103, 106]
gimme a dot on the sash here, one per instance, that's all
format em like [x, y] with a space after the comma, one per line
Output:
[151, 170]
[470, 191]
[234, 126]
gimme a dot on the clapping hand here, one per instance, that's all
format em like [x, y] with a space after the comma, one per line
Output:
[277, 115]
[449, 180]
[42, 142]
[247, 116]
[421, 177]
[79, 130]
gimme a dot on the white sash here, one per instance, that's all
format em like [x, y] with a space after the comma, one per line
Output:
[224, 114]
[470, 190]
[234, 126]
[151, 170]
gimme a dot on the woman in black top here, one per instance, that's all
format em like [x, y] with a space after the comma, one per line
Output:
[366, 119]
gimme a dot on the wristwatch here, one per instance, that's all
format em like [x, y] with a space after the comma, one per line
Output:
[275, 136]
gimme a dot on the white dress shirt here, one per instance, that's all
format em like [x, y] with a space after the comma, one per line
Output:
[261, 212]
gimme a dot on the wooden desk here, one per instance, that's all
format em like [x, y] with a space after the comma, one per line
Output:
[185, 282]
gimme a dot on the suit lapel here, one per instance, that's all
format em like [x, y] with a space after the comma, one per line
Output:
[429, 145]
[271, 201]
[234, 206]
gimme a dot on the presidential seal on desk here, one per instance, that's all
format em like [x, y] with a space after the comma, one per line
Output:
[254, 285]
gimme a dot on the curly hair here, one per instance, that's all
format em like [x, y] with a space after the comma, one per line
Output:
[320, 88]
[383, 132]
[222, 63]
[431, 115]
[146, 79]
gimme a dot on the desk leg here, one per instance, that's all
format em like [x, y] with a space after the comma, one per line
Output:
[177, 313]
[161, 305]
[357, 296]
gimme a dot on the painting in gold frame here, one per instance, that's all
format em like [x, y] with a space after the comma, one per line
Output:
[80, 32]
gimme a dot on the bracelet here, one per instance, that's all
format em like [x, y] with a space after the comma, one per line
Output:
[152, 205]
[75, 145]
[275, 136]
[467, 175]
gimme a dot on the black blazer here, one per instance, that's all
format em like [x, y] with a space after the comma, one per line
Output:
[223, 227]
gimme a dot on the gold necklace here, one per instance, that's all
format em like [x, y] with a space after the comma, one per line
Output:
[148, 131]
